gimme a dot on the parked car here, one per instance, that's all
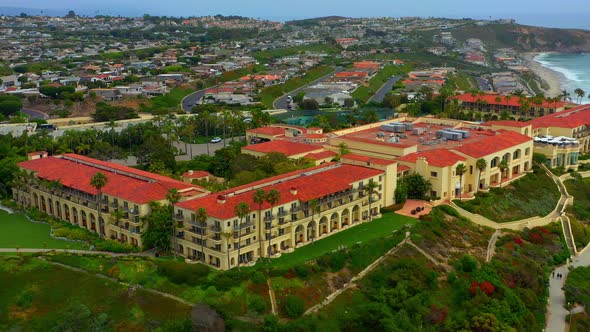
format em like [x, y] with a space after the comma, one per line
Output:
[216, 140]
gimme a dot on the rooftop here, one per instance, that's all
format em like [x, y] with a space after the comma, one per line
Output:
[365, 159]
[438, 158]
[287, 148]
[300, 186]
[75, 171]
[491, 144]
[572, 118]
[495, 99]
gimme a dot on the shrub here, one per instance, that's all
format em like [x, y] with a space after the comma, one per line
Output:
[182, 273]
[294, 306]
[258, 278]
[24, 299]
[303, 271]
[257, 303]
[468, 263]
[226, 280]
[114, 246]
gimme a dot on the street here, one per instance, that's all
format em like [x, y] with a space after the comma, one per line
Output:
[192, 100]
[384, 90]
[34, 114]
[483, 84]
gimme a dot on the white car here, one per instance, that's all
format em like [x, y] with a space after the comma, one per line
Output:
[216, 140]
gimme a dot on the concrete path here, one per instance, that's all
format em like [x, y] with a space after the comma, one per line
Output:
[556, 312]
[72, 268]
[148, 253]
[492, 246]
[429, 257]
[384, 90]
[271, 295]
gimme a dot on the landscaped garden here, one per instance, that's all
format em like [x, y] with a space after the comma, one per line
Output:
[533, 195]
[577, 291]
[16, 231]
[407, 290]
[45, 297]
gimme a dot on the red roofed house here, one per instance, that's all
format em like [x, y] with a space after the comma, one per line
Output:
[127, 190]
[335, 191]
[292, 150]
[371, 66]
[518, 108]
[574, 124]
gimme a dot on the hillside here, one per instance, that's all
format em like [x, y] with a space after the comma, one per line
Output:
[527, 38]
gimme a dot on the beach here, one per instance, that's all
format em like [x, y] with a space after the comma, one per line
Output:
[551, 77]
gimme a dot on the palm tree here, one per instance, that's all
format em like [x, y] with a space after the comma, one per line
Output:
[173, 196]
[580, 93]
[369, 189]
[241, 210]
[313, 206]
[259, 198]
[117, 215]
[502, 166]
[460, 170]
[273, 197]
[19, 180]
[99, 181]
[565, 95]
[201, 217]
[481, 165]
[228, 236]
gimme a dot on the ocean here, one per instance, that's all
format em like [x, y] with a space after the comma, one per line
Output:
[575, 69]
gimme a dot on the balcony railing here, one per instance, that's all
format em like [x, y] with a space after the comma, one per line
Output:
[216, 229]
[179, 217]
[268, 218]
[243, 225]
[282, 213]
[134, 212]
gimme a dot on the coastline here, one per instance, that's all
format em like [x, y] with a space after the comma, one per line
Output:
[551, 77]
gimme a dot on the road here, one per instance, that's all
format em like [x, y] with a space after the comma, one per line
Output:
[192, 100]
[483, 84]
[34, 114]
[385, 89]
[281, 102]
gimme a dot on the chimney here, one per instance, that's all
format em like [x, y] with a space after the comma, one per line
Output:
[190, 172]
[293, 191]
[221, 199]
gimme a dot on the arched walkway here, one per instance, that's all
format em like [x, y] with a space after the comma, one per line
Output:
[299, 234]
[335, 222]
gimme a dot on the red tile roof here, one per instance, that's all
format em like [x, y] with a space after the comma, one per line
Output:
[332, 177]
[375, 141]
[504, 101]
[437, 158]
[492, 144]
[273, 131]
[402, 168]
[572, 118]
[124, 182]
[195, 174]
[508, 123]
[321, 155]
[365, 159]
[351, 74]
[287, 148]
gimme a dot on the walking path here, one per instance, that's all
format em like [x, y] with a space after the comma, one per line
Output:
[148, 253]
[72, 268]
[271, 295]
[492, 246]
[429, 257]
[359, 276]
[556, 311]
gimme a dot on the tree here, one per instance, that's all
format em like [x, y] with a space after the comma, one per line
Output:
[481, 165]
[370, 190]
[580, 93]
[241, 210]
[71, 14]
[99, 181]
[503, 166]
[157, 233]
[460, 170]
[417, 187]
[173, 196]
[259, 198]
[564, 95]
[310, 104]
[201, 216]
[228, 236]
[313, 207]
[272, 197]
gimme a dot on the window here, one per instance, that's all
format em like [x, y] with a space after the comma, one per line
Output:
[433, 193]
[527, 151]
[471, 169]
[193, 217]
[433, 174]
[380, 177]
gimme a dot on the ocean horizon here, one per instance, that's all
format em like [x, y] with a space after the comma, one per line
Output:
[574, 70]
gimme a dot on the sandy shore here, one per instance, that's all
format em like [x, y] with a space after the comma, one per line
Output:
[551, 77]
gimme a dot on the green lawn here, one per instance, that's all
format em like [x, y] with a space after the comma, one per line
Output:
[363, 93]
[533, 195]
[17, 230]
[580, 189]
[364, 232]
[267, 56]
[268, 95]
[41, 295]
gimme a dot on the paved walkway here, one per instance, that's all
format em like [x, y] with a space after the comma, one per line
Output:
[556, 312]
[148, 253]
[492, 246]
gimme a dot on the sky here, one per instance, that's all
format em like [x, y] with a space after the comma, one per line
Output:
[560, 13]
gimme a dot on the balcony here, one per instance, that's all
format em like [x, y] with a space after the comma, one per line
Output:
[282, 213]
[178, 217]
[216, 229]
[125, 209]
[114, 204]
[269, 218]
[134, 212]
[243, 225]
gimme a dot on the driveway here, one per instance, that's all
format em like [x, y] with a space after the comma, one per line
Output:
[385, 89]
[192, 100]
[483, 84]
[34, 114]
